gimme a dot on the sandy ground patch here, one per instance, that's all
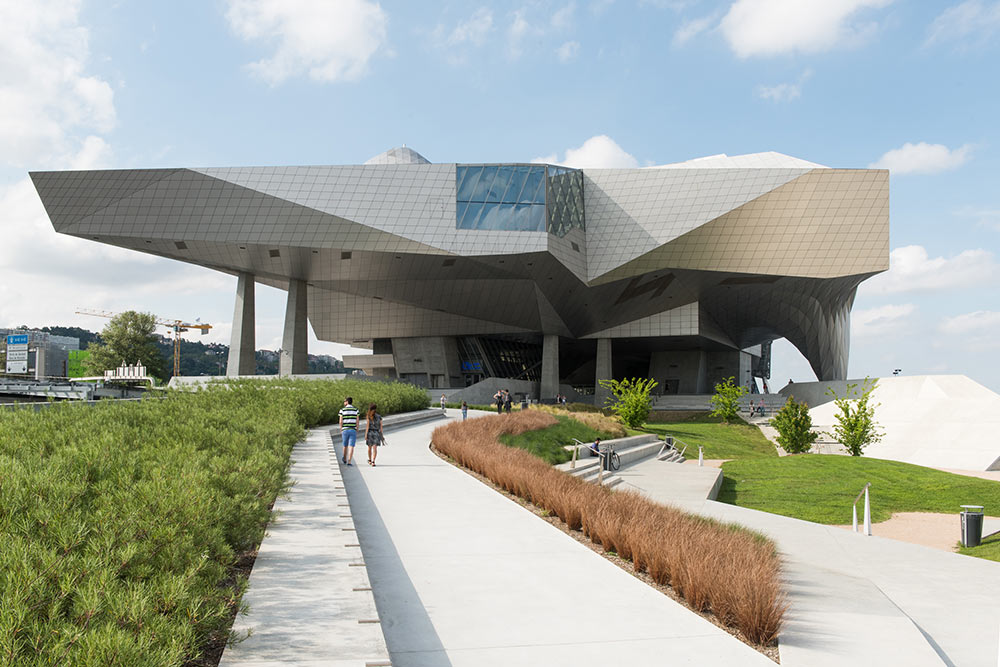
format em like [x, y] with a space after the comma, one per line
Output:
[938, 531]
[709, 463]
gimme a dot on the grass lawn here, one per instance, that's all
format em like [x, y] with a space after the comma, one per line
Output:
[989, 549]
[719, 439]
[548, 443]
[821, 488]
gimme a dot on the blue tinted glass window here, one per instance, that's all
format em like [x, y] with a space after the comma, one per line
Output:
[467, 177]
[500, 183]
[483, 186]
[532, 192]
[468, 221]
[490, 218]
[516, 185]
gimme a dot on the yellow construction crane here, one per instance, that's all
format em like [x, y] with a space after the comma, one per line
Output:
[177, 326]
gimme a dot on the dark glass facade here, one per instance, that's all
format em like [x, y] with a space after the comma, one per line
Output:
[519, 198]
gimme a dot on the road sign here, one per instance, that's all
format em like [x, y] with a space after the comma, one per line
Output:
[17, 355]
[17, 366]
[17, 339]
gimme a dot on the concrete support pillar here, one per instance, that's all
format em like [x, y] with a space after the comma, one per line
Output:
[603, 372]
[40, 363]
[550, 367]
[242, 342]
[295, 340]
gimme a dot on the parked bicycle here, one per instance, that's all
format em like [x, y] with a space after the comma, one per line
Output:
[614, 461]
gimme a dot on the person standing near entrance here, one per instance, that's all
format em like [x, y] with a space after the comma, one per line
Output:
[348, 429]
[442, 401]
[373, 433]
[465, 410]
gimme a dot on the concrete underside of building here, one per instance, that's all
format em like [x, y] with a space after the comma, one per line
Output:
[453, 274]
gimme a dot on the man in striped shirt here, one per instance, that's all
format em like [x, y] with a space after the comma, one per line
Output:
[348, 429]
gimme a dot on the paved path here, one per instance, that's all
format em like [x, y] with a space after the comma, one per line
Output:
[464, 576]
[308, 597]
[857, 600]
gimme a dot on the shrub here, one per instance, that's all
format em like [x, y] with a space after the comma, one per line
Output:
[856, 427]
[725, 568]
[631, 399]
[794, 426]
[726, 400]
[121, 524]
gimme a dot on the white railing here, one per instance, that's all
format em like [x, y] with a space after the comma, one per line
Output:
[672, 446]
[868, 511]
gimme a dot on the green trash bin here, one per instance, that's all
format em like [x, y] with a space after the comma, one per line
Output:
[972, 525]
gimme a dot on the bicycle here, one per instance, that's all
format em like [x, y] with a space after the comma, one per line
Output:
[614, 461]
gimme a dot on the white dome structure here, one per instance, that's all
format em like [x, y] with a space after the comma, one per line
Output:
[401, 155]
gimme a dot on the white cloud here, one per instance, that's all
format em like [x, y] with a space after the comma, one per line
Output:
[691, 29]
[969, 23]
[596, 153]
[783, 92]
[922, 158]
[912, 270]
[986, 217]
[46, 96]
[773, 27]
[472, 30]
[568, 51]
[881, 320]
[326, 41]
[519, 29]
[980, 322]
[562, 18]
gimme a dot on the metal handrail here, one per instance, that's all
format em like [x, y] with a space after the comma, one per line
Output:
[672, 446]
[868, 511]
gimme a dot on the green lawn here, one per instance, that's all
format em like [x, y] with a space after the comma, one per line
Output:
[989, 549]
[821, 488]
[719, 439]
[548, 443]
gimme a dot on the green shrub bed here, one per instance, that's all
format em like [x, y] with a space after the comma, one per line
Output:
[121, 525]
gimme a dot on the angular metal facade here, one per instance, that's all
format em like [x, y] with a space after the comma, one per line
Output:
[732, 252]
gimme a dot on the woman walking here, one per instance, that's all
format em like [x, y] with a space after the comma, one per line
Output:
[373, 433]
[465, 410]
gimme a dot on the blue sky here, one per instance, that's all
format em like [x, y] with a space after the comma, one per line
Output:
[911, 86]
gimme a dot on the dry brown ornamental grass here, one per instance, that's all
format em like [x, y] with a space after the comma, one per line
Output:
[723, 568]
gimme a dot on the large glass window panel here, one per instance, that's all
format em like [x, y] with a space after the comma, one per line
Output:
[500, 184]
[518, 174]
[537, 217]
[468, 221]
[467, 178]
[483, 186]
[489, 218]
[534, 186]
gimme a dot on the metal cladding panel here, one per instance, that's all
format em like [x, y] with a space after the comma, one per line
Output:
[631, 212]
[413, 201]
[829, 223]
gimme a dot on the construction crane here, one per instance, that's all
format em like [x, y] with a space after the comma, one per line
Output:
[177, 326]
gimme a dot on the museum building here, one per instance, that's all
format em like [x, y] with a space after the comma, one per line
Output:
[546, 277]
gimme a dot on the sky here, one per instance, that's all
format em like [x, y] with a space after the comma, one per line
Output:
[910, 86]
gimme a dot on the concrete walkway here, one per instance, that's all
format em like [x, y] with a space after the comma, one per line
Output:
[464, 576]
[856, 600]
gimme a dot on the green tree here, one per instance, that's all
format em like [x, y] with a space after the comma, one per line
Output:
[794, 426]
[726, 400]
[129, 337]
[856, 427]
[630, 399]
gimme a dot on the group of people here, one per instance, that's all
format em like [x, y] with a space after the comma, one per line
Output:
[561, 399]
[502, 400]
[756, 409]
[465, 407]
[349, 431]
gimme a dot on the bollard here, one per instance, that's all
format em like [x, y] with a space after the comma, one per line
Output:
[868, 515]
[701, 457]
